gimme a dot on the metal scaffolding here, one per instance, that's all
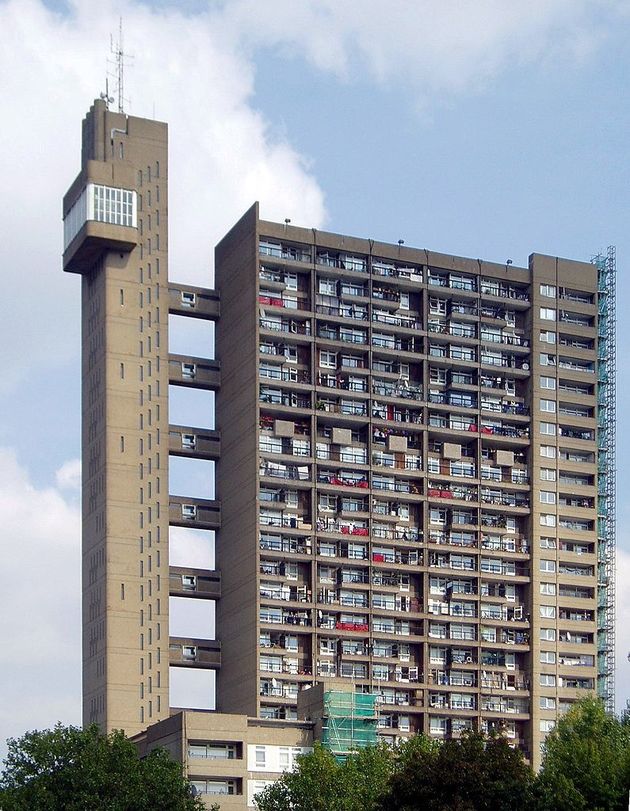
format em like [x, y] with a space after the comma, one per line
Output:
[349, 722]
[606, 474]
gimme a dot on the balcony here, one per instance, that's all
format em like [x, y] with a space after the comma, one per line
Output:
[504, 407]
[391, 484]
[503, 498]
[391, 320]
[284, 520]
[287, 301]
[270, 615]
[492, 287]
[344, 382]
[342, 261]
[284, 592]
[334, 453]
[283, 397]
[382, 267]
[389, 412]
[284, 446]
[504, 361]
[396, 461]
[452, 281]
[278, 470]
[355, 312]
[396, 343]
[394, 556]
[344, 527]
[285, 375]
[285, 325]
[280, 250]
[401, 389]
[351, 408]
[500, 337]
[285, 544]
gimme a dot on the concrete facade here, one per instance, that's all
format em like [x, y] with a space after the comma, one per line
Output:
[406, 479]
[425, 446]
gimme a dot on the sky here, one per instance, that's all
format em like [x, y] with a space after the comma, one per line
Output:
[474, 127]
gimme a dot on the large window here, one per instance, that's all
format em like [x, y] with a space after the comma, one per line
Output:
[103, 204]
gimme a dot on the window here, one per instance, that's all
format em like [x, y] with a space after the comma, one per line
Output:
[547, 497]
[547, 520]
[547, 336]
[327, 360]
[547, 543]
[547, 359]
[548, 451]
[547, 474]
[213, 751]
[547, 657]
[547, 428]
[547, 635]
[547, 383]
[548, 290]
[214, 786]
[547, 314]
[103, 204]
[261, 757]
[547, 703]
[548, 406]
[327, 287]
[548, 589]
[547, 679]
[548, 612]
[547, 565]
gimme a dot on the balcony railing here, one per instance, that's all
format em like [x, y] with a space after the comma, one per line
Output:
[342, 261]
[405, 391]
[295, 327]
[286, 545]
[405, 321]
[281, 251]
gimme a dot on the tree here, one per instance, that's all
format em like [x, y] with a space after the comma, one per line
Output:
[320, 783]
[586, 765]
[472, 773]
[72, 769]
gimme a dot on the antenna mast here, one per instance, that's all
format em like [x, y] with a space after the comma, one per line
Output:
[119, 62]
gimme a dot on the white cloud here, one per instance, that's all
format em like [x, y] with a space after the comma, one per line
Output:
[40, 596]
[197, 72]
[222, 154]
[68, 477]
[432, 46]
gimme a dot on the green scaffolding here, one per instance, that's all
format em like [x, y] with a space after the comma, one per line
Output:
[606, 470]
[349, 722]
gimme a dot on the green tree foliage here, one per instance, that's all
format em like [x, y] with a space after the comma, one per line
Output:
[72, 769]
[320, 783]
[473, 773]
[586, 765]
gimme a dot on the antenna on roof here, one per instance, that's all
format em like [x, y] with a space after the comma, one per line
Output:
[105, 96]
[119, 63]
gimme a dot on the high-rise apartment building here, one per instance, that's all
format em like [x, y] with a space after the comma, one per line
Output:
[415, 485]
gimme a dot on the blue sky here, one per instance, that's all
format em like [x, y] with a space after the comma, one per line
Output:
[484, 128]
